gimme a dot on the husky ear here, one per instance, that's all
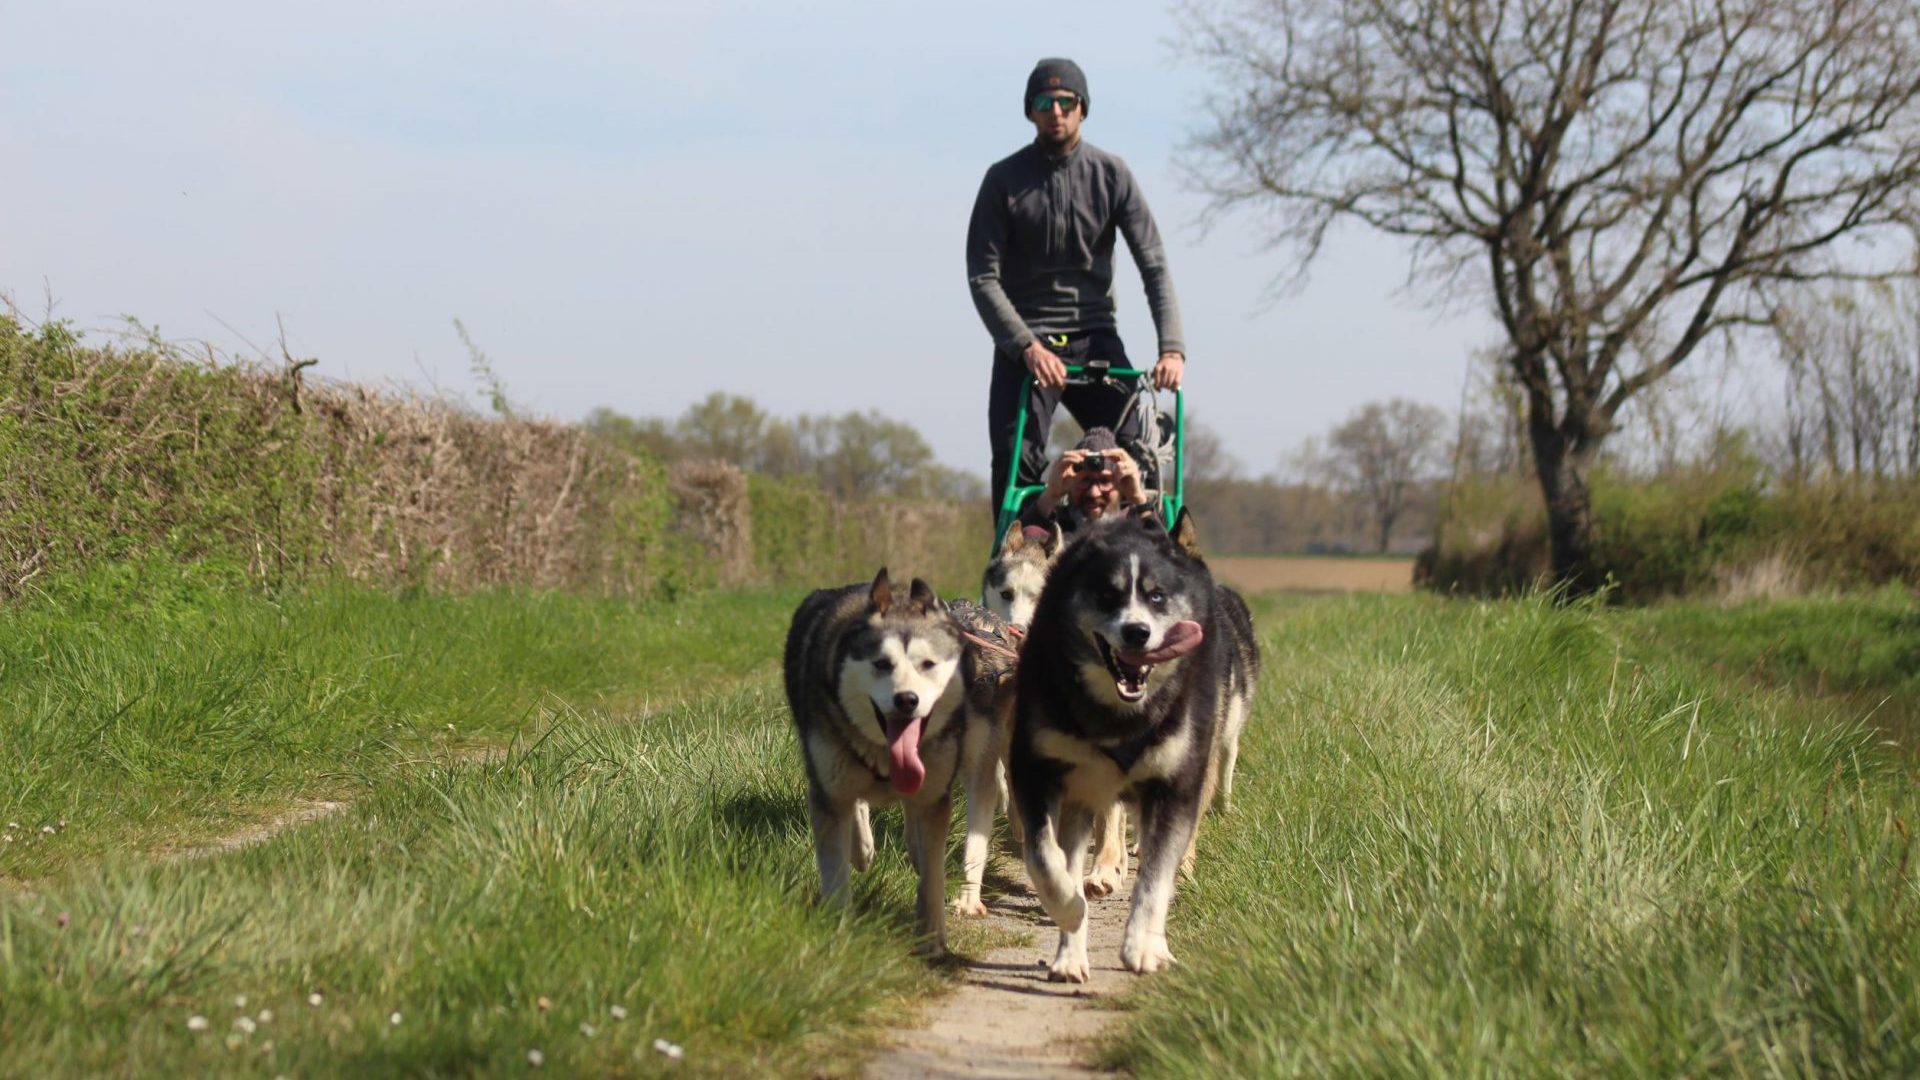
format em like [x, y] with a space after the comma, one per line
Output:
[922, 597]
[1054, 541]
[880, 597]
[1186, 534]
[1015, 539]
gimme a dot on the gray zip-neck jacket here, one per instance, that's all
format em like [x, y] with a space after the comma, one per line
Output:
[1040, 247]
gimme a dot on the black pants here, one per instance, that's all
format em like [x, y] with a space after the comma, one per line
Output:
[1096, 405]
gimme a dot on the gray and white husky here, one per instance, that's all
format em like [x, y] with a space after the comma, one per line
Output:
[1010, 587]
[877, 685]
[1134, 683]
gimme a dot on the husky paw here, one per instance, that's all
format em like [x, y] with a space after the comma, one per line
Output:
[969, 906]
[1067, 970]
[1104, 880]
[1146, 958]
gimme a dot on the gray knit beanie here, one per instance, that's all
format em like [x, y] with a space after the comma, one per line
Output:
[1098, 438]
[1057, 73]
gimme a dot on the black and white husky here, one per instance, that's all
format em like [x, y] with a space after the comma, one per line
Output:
[878, 688]
[1135, 680]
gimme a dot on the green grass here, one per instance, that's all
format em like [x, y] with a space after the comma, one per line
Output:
[662, 866]
[1857, 655]
[1514, 839]
[154, 725]
[599, 853]
[1469, 840]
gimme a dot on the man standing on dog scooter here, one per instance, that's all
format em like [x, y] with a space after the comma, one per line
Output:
[1040, 266]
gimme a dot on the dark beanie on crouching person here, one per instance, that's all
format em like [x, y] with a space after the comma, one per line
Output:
[1056, 73]
[1098, 438]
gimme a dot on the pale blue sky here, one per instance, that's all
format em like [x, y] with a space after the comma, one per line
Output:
[633, 205]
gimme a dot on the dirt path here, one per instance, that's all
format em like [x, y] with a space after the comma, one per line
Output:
[1005, 1020]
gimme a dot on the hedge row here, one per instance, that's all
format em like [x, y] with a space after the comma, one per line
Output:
[142, 454]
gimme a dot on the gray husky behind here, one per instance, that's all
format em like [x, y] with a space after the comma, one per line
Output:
[1010, 587]
[1135, 680]
[877, 686]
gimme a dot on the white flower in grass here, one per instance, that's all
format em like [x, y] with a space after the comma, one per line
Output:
[673, 1051]
[266, 1016]
[536, 1059]
[588, 1030]
[239, 1001]
[314, 999]
[47, 829]
[394, 1019]
[618, 1012]
[244, 1024]
[196, 1022]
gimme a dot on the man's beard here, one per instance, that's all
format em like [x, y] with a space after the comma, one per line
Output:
[1059, 144]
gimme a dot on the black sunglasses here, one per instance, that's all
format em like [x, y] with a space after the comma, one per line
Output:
[1046, 102]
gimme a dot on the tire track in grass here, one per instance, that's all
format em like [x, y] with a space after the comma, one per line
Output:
[305, 812]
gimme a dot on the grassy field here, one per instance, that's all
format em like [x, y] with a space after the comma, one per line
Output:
[1501, 839]
[195, 711]
[1516, 840]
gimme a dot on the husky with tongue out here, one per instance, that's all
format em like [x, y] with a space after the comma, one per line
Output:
[877, 684]
[1136, 677]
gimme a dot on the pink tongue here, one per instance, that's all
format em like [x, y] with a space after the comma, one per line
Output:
[903, 745]
[1182, 638]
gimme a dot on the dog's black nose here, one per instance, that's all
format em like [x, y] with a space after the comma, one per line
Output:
[1136, 635]
[906, 701]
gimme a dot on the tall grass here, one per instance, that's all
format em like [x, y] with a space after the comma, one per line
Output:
[1515, 839]
[462, 915]
[203, 708]
[1468, 840]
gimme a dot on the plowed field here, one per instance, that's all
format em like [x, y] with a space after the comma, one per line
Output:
[1305, 574]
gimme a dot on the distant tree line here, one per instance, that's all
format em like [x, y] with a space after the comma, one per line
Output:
[853, 454]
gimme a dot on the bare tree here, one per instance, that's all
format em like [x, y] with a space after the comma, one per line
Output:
[1852, 403]
[1207, 458]
[1624, 178]
[1382, 453]
[1490, 433]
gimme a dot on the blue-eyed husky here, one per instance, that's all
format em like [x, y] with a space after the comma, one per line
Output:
[878, 688]
[1135, 679]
